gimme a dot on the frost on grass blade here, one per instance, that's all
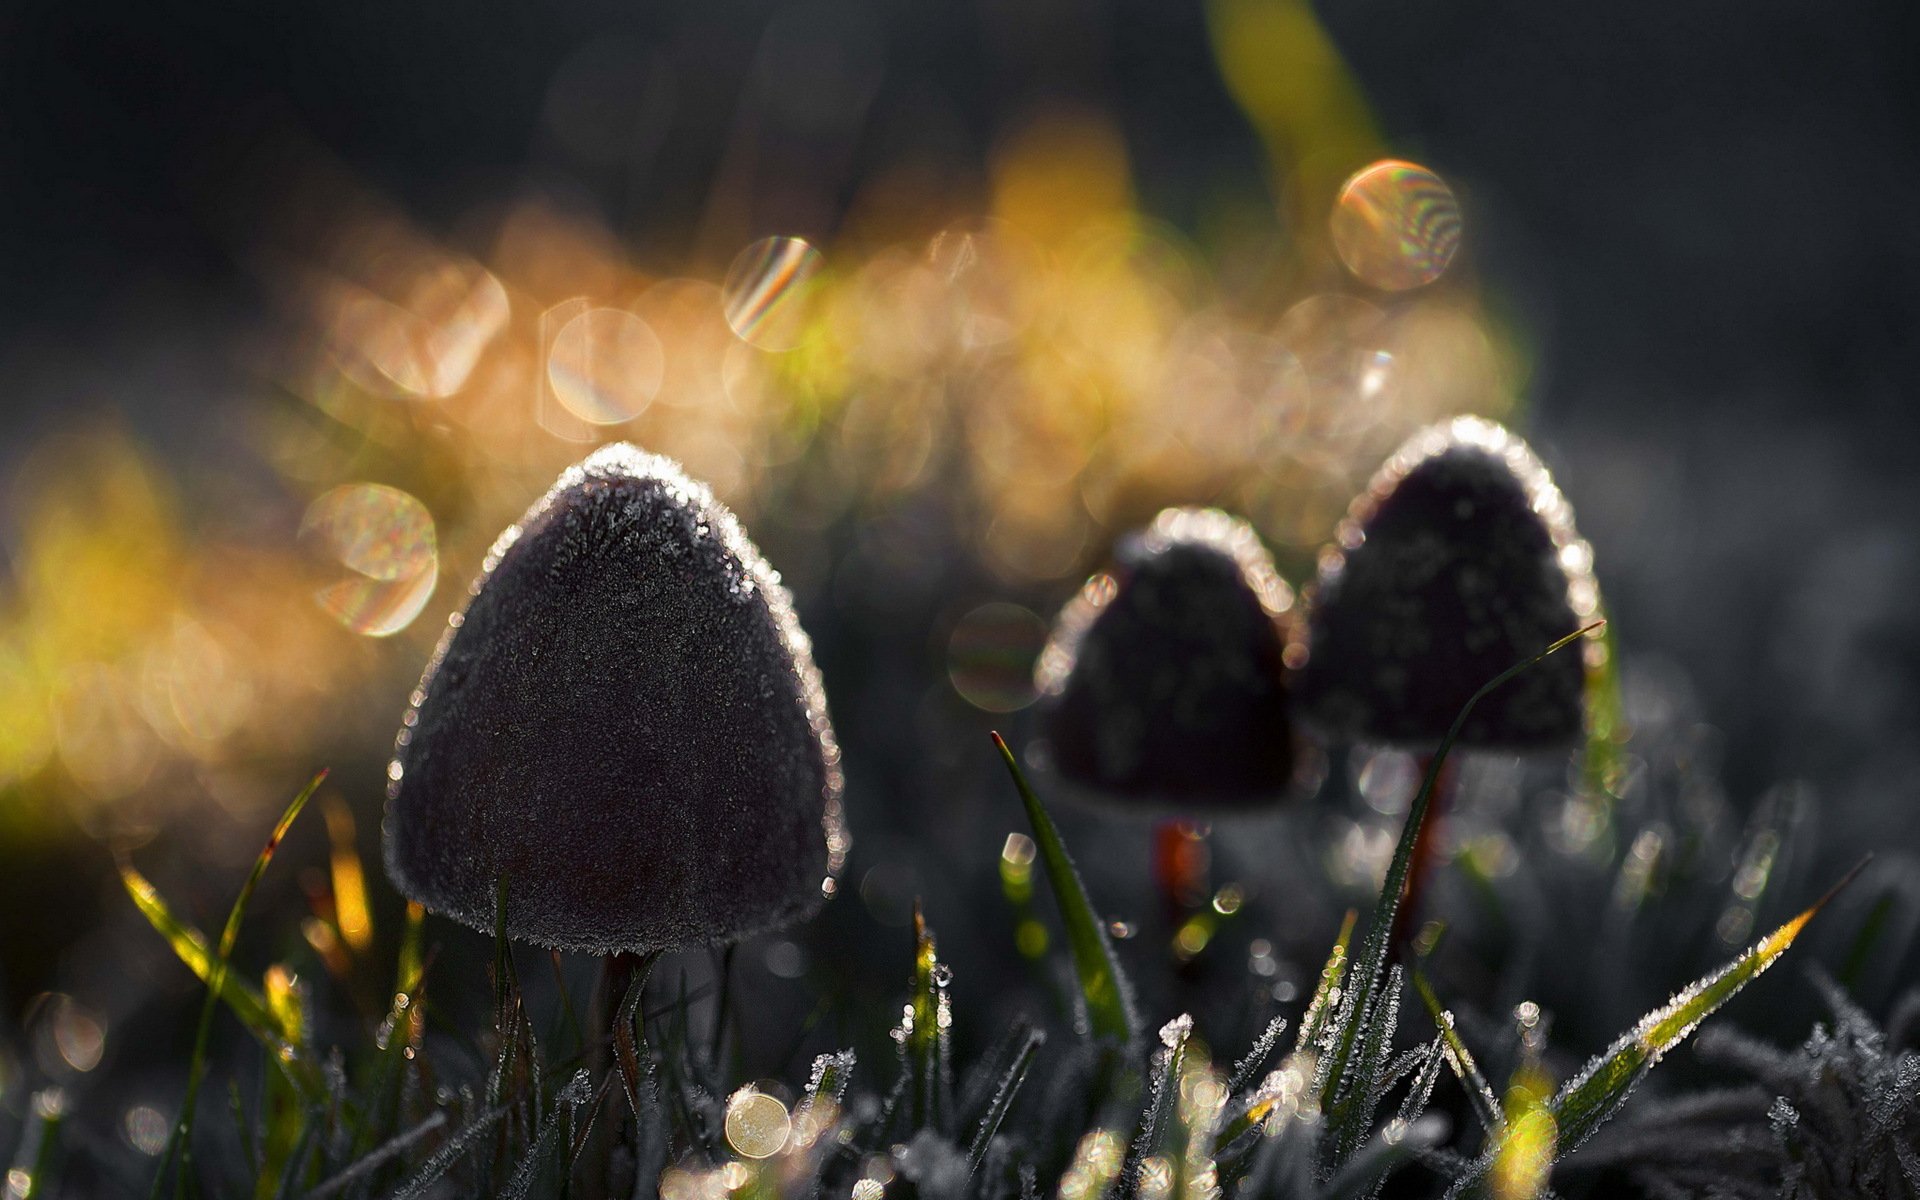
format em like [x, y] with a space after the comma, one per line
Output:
[182, 1136]
[1103, 986]
[1598, 1091]
[1009, 1087]
[928, 1042]
[1590, 1098]
[1340, 1093]
[1479, 1092]
[1256, 1056]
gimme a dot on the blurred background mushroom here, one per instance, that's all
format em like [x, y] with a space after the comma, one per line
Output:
[1163, 686]
[1459, 560]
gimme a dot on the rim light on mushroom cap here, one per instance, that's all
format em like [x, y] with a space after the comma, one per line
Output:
[1459, 559]
[1163, 681]
[626, 723]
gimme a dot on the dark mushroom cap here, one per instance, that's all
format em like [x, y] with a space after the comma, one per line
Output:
[1164, 680]
[1459, 560]
[626, 724]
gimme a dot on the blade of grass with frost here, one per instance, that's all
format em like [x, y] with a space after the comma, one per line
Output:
[395, 1037]
[1313, 1022]
[1003, 1095]
[1359, 1090]
[1389, 1150]
[182, 1136]
[1596, 1093]
[828, 1080]
[1108, 995]
[1339, 1096]
[1168, 1062]
[1256, 1056]
[1479, 1092]
[567, 1102]
[927, 1040]
[190, 945]
[366, 1165]
[445, 1157]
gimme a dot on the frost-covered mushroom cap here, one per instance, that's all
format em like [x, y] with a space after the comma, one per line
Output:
[625, 724]
[1459, 560]
[1163, 681]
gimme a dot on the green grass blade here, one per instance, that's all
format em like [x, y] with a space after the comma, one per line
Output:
[1339, 1093]
[1103, 986]
[1313, 1022]
[1003, 1098]
[1479, 1092]
[190, 945]
[928, 1041]
[182, 1137]
[1596, 1093]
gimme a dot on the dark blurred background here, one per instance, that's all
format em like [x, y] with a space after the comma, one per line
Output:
[1702, 213]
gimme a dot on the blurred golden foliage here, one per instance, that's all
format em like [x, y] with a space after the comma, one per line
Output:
[1043, 375]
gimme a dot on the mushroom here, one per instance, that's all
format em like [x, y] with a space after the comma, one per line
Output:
[1458, 560]
[1163, 683]
[624, 727]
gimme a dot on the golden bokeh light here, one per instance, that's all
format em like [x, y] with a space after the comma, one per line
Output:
[757, 1124]
[606, 365]
[1396, 226]
[384, 538]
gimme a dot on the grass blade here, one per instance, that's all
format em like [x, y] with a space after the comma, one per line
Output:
[1341, 1093]
[182, 1137]
[190, 945]
[1103, 986]
[928, 1039]
[1596, 1093]
[1003, 1098]
[1479, 1092]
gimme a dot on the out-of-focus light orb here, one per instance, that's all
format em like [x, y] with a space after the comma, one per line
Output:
[757, 1124]
[76, 1037]
[766, 291]
[384, 538]
[606, 366]
[1396, 226]
[427, 344]
[146, 1129]
[990, 656]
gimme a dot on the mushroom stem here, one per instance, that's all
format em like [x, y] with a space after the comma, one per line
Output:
[620, 1054]
[1426, 849]
[723, 972]
[1181, 859]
